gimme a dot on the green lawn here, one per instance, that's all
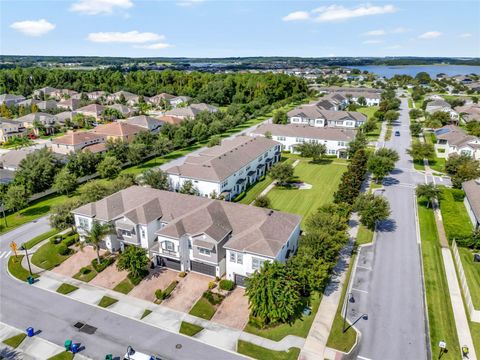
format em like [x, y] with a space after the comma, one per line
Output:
[472, 273]
[15, 340]
[87, 275]
[16, 269]
[203, 309]
[65, 355]
[338, 339]
[146, 313]
[66, 288]
[31, 243]
[47, 256]
[261, 353]
[189, 329]
[388, 133]
[124, 286]
[364, 236]
[324, 179]
[440, 314]
[410, 103]
[455, 217]
[34, 211]
[369, 111]
[437, 164]
[107, 301]
[475, 331]
[300, 327]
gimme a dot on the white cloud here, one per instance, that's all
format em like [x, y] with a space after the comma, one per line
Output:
[339, 12]
[430, 35]
[124, 37]
[33, 27]
[186, 3]
[95, 7]
[379, 32]
[373, 42]
[465, 35]
[156, 46]
[399, 30]
[297, 15]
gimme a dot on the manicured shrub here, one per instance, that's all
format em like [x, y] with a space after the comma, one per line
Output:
[213, 298]
[136, 279]
[85, 270]
[211, 285]
[62, 249]
[166, 293]
[159, 294]
[69, 241]
[227, 285]
[182, 274]
[104, 263]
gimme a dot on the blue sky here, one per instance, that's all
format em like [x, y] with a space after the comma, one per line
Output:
[221, 28]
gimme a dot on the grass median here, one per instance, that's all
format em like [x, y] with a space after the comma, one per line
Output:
[261, 353]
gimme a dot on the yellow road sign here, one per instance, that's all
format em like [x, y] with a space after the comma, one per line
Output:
[13, 246]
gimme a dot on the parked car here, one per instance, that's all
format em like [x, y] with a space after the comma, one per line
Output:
[132, 354]
[397, 133]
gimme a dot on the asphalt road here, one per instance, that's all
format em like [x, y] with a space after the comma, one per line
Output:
[22, 306]
[387, 300]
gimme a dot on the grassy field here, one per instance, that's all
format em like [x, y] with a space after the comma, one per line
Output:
[15, 340]
[440, 314]
[455, 217]
[475, 331]
[369, 111]
[86, 276]
[16, 269]
[472, 273]
[299, 328]
[66, 289]
[31, 243]
[189, 329]
[324, 179]
[47, 256]
[124, 286]
[338, 339]
[388, 133]
[261, 353]
[410, 103]
[364, 236]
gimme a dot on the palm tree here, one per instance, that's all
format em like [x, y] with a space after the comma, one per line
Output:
[96, 234]
[429, 191]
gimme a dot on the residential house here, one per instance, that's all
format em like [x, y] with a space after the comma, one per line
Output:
[161, 98]
[10, 129]
[227, 169]
[122, 109]
[64, 116]
[147, 122]
[333, 102]
[472, 201]
[372, 96]
[443, 106]
[118, 131]
[10, 99]
[47, 105]
[31, 121]
[28, 103]
[93, 110]
[178, 100]
[74, 141]
[130, 98]
[469, 113]
[189, 112]
[336, 140]
[173, 120]
[11, 160]
[70, 104]
[45, 92]
[314, 116]
[190, 233]
[452, 139]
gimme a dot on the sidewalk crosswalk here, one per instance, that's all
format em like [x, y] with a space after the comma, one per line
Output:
[4, 254]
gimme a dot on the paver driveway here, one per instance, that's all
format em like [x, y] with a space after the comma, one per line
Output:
[187, 292]
[74, 263]
[159, 278]
[233, 311]
[109, 277]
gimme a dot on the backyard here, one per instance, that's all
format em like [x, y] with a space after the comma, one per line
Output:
[472, 273]
[455, 217]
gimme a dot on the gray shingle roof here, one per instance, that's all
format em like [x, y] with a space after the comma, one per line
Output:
[472, 192]
[312, 112]
[306, 131]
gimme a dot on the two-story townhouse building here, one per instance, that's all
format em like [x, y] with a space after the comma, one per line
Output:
[443, 106]
[314, 116]
[226, 169]
[10, 129]
[189, 112]
[333, 102]
[336, 140]
[10, 99]
[75, 141]
[452, 139]
[372, 97]
[191, 233]
[31, 121]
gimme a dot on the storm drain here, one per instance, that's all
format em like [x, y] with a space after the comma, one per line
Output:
[85, 328]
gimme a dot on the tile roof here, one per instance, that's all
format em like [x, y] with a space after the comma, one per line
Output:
[95, 148]
[92, 108]
[219, 162]
[455, 136]
[144, 121]
[191, 110]
[174, 120]
[117, 129]
[76, 138]
[306, 131]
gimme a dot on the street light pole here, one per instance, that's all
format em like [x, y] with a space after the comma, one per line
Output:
[4, 217]
[28, 261]
[346, 311]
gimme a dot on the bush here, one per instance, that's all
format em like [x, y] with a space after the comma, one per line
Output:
[211, 285]
[159, 294]
[213, 298]
[62, 249]
[85, 270]
[136, 279]
[182, 274]
[70, 240]
[104, 263]
[56, 240]
[458, 194]
[166, 293]
[227, 285]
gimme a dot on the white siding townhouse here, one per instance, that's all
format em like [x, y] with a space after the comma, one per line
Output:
[227, 169]
[191, 233]
[452, 139]
[372, 96]
[443, 106]
[314, 116]
[336, 140]
[10, 129]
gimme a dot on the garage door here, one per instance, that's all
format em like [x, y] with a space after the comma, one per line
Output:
[240, 280]
[169, 263]
[203, 268]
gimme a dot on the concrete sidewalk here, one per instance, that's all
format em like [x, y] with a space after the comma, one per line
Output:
[30, 348]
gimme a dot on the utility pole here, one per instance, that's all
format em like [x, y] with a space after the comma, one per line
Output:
[349, 297]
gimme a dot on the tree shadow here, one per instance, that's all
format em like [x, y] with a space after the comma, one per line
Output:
[390, 181]
[39, 210]
[396, 171]
[325, 161]
[11, 354]
[388, 225]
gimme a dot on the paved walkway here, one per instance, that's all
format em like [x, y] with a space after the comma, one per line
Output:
[316, 342]
[30, 348]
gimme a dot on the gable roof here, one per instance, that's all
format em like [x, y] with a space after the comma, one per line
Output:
[454, 135]
[306, 131]
[92, 108]
[144, 121]
[191, 110]
[472, 192]
[76, 138]
[312, 112]
[117, 129]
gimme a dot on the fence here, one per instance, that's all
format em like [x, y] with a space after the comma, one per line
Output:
[474, 314]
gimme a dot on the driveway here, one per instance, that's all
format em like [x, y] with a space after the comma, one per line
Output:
[109, 277]
[74, 263]
[233, 311]
[159, 278]
[187, 292]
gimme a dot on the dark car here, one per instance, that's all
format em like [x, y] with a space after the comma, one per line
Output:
[397, 133]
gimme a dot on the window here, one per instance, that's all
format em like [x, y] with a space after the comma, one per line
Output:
[257, 263]
[240, 259]
[125, 233]
[168, 245]
[341, 143]
[142, 230]
[300, 140]
[236, 258]
[281, 138]
[83, 223]
[204, 251]
[233, 257]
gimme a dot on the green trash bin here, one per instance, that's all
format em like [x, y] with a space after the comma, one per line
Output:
[68, 345]
[109, 357]
[30, 280]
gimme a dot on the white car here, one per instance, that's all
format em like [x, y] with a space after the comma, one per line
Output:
[137, 355]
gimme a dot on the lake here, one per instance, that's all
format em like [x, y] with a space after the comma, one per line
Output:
[412, 70]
